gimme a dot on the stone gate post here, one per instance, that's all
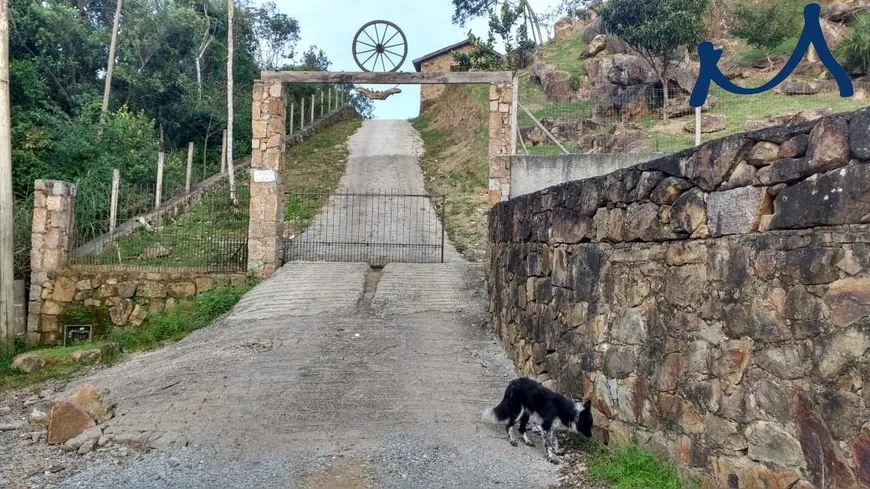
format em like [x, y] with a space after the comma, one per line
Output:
[266, 218]
[502, 138]
[50, 241]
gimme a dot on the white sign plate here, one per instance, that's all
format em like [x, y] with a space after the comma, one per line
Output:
[265, 176]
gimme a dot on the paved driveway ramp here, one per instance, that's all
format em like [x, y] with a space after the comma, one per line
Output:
[325, 375]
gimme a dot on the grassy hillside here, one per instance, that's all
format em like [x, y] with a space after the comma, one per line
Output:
[455, 138]
[738, 109]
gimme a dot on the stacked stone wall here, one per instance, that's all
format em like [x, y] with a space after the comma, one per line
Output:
[714, 304]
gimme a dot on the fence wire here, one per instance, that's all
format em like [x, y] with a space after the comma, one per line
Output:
[631, 121]
[209, 233]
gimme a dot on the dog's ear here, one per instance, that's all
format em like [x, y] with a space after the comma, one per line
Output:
[588, 404]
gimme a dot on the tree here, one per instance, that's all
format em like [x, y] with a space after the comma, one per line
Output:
[277, 33]
[766, 25]
[7, 302]
[110, 63]
[465, 10]
[482, 56]
[230, 48]
[656, 29]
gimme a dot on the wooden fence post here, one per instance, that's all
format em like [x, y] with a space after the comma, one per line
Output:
[312, 108]
[224, 153]
[321, 103]
[329, 103]
[302, 115]
[113, 203]
[158, 192]
[697, 126]
[292, 108]
[187, 181]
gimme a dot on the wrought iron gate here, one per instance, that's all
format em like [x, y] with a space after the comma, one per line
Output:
[372, 227]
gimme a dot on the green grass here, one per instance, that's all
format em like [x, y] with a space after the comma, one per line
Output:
[455, 164]
[630, 467]
[210, 234]
[154, 332]
[738, 109]
[315, 166]
[755, 54]
[184, 319]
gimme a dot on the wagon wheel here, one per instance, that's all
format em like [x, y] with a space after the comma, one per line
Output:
[380, 46]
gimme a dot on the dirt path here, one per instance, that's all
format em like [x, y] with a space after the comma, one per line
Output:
[326, 375]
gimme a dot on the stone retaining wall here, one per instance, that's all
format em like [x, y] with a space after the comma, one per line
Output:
[128, 297]
[714, 304]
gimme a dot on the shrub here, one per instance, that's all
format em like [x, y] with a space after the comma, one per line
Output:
[766, 25]
[854, 51]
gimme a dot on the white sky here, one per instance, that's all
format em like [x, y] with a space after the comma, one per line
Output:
[331, 25]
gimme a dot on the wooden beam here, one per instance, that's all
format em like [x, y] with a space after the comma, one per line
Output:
[445, 78]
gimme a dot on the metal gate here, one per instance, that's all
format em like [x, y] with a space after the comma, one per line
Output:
[372, 227]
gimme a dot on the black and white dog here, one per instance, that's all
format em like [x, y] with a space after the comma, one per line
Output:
[527, 399]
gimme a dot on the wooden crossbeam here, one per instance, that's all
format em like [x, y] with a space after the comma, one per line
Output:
[397, 78]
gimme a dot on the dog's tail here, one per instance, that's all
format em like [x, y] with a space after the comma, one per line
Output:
[501, 413]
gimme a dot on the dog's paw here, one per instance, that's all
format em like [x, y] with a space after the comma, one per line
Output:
[514, 443]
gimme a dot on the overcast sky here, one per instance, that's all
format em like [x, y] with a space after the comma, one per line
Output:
[331, 25]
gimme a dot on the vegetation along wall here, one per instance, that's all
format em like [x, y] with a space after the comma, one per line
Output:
[714, 304]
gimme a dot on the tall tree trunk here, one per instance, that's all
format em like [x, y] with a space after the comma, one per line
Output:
[206, 40]
[7, 301]
[230, 50]
[663, 77]
[110, 64]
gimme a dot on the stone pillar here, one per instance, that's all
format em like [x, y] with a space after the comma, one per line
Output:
[50, 241]
[265, 248]
[501, 127]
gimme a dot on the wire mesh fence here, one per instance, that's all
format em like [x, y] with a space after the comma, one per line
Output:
[632, 120]
[207, 233]
[22, 220]
[377, 227]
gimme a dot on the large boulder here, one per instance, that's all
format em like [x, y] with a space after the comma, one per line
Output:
[595, 47]
[596, 72]
[682, 79]
[594, 29]
[67, 421]
[28, 363]
[798, 87]
[631, 103]
[710, 123]
[841, 13]
[567, 28]
[834, 35]
[615, 45]
[679, 106]
[556, 84]
[628, 70]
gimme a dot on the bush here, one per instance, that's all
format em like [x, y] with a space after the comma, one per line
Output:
[854, 51]
[765, 26]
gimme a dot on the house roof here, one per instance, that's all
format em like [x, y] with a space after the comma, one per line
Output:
[419, 61]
